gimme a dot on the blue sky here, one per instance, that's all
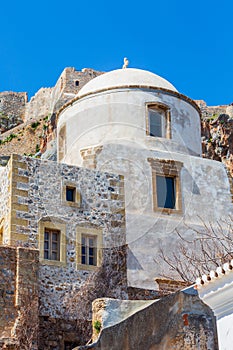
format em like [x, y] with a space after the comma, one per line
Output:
[190, 43]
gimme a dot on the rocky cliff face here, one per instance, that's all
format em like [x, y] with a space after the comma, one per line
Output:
[217, 133]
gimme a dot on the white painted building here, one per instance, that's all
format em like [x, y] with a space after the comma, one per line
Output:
[135, 123]
[216, 290]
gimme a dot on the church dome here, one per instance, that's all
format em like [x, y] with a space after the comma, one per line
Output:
[129, 77]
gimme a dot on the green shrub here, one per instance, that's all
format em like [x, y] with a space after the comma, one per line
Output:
[46, 118]
[97, 326]
[34, 125]
[10, 137]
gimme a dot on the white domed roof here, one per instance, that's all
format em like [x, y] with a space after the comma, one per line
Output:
[123, 78]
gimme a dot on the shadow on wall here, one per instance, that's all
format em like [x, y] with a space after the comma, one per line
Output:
[132, 261]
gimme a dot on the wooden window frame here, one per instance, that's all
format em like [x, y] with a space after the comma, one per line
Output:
[167, 168]
[54, 225]
[98, 236]
[87, 255]
[50, 241]
[165, 111]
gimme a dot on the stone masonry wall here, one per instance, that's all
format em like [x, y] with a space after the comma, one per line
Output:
[38, 197]
[69, 84]
[8, 311]
[12, 109]
[109, 280]
[37, 188]
[27, 298]
[18, 298]
[5, 192]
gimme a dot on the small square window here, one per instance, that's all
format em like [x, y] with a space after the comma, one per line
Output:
[76, 83]
[70, 193]
[51, 244]
[166, 192]
[89, 250]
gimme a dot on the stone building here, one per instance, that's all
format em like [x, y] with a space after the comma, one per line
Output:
[129, 172]
[75, 217]
[135, 123]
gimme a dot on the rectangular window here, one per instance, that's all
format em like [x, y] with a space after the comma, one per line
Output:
[166, 185]
[89, 250]
[166, 192]
[51, 244]
[158, 121]
[70, 194]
